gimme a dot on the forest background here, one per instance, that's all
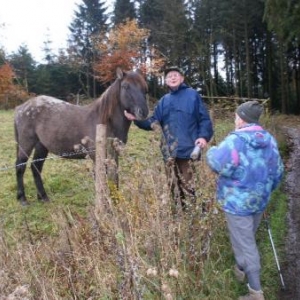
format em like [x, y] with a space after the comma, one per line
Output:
[244, 49]
[229, 48]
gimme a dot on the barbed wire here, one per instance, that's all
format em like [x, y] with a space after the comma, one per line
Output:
[62, 156]
[117, 144]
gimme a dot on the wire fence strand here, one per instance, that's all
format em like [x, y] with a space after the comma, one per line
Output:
[58, 157]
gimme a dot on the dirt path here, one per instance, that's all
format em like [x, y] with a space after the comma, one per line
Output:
[291, 267]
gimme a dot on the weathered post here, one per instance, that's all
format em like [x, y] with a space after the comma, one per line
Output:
[101, 187]
[113, 162]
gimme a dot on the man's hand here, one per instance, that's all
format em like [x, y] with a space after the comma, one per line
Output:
[201, 142]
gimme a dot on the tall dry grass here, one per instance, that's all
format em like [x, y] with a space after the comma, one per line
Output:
[142, 249]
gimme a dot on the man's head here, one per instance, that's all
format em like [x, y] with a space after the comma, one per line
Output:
[174, 77]
[249, 112]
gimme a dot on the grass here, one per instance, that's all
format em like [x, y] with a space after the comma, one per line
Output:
[140, 250]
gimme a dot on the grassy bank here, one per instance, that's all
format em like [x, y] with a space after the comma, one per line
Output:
[139, 251]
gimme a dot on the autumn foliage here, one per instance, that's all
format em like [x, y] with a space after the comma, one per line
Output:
[10, 94]
[125, 47]
[6, 79]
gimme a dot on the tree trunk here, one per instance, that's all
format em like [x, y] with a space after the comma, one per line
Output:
[248, 69]
[269, 75]
[236, 66]
[283, 74]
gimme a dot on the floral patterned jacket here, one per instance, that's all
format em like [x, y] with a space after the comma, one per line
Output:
[249, 167]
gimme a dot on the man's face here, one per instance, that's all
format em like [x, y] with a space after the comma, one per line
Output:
[174, 79]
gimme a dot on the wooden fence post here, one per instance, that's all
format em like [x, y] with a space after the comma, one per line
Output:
[113, 162]
[102, 197]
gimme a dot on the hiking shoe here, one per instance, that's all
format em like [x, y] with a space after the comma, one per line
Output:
[239, 274]
[253, 295]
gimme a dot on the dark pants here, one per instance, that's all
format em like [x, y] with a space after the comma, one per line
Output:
[181, 181]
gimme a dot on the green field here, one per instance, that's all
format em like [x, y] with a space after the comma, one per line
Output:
[139, 250]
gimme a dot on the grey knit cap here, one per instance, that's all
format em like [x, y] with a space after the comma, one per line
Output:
[173, 68]
[250, 111]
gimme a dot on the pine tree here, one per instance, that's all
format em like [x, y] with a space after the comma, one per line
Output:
[24, 68]
[89, 21]
[168, 23]
[123, 10]
[283, 18]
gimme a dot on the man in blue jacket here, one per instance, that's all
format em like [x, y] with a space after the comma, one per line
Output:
[185, 123]
[250, 168]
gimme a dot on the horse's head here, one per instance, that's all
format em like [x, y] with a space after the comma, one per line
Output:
[133, 93]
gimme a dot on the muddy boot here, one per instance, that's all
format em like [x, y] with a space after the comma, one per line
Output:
[253, 295]
[239, 274]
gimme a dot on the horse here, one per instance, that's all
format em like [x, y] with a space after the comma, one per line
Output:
[47, 124]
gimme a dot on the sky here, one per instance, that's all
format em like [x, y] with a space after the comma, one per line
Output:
[32, 22]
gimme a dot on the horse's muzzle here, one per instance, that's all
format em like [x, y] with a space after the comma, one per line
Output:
[141, 113]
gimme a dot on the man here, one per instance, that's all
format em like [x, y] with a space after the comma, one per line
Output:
[185, 123]
[250, 168]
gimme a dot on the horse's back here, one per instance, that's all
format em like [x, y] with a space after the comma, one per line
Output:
[56, 124]
[33, 107]
[43, 110]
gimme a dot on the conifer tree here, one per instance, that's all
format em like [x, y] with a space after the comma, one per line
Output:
[24, 68]
[168, 23]
[123, 10]
[90, 19]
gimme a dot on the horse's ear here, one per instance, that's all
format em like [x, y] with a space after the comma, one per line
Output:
[120, 73]
[139, 71]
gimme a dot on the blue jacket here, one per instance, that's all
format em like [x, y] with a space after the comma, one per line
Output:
[249, 167]
[183, 118]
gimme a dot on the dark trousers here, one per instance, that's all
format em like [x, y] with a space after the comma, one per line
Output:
[180, 176]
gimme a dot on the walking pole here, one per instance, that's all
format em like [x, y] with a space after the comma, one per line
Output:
[274, 251]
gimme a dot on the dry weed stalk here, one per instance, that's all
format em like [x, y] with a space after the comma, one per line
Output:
[111, 256]
[162, 242]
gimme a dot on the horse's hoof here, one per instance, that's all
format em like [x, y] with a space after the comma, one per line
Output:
[44, 200]
[24, 202]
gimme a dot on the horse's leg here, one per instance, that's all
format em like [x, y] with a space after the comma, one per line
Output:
[25, 145]
[39, 156]
[20, 170]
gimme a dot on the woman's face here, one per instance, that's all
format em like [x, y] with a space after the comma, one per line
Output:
[174, 79]
[238, 122]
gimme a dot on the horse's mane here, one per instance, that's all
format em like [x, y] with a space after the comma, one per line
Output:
[108, 101]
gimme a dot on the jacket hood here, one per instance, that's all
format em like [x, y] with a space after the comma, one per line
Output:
[255, 136]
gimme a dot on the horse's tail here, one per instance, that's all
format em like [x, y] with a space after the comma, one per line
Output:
[16, 131]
